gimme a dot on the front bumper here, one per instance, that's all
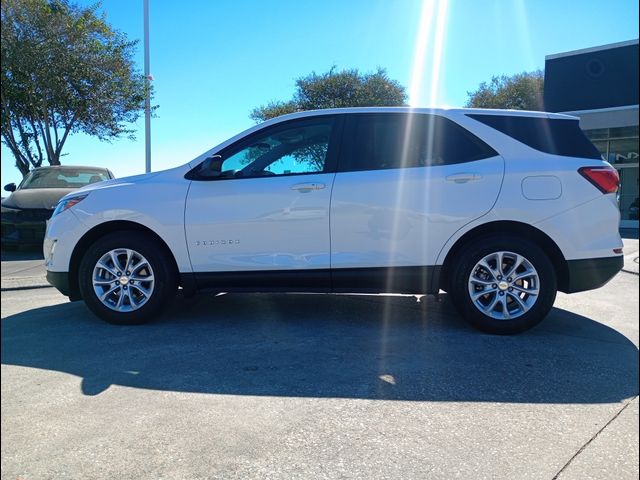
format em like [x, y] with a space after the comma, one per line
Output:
[592, 273]
[24, 227]
[61, 281]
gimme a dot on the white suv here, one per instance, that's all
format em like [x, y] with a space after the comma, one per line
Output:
[499, 208]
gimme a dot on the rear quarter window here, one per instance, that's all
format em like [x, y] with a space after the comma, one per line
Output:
[549, 135]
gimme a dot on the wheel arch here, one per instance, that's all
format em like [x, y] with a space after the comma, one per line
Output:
[102, 229]
[519, 229]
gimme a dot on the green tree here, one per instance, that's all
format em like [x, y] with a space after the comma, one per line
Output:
[64, 70]
[335, 89]
[523, 91]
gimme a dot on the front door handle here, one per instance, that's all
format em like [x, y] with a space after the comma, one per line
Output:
[464, 177]
[307, 187]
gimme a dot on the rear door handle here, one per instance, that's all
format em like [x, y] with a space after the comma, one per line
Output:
[464, 177]
[307, 187]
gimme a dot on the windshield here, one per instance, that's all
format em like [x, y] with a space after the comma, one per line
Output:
[67, 178]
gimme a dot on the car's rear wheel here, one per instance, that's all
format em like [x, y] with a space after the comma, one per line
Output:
[125, 278]
[503, 284]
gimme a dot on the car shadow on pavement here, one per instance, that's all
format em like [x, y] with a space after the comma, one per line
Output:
[348, 346]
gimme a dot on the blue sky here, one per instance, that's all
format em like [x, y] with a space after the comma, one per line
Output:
[213, 61]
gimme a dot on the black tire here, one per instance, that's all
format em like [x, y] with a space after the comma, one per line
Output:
[164, 274]
[477, 250]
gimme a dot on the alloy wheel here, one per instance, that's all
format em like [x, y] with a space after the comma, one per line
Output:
[504, 285]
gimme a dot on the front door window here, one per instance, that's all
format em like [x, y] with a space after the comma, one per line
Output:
[296, 149]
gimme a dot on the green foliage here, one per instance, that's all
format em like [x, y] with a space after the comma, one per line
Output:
[64, 70]
[346, 88]
[523, 91]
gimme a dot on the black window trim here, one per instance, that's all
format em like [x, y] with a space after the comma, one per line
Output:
[349, 132]
[331, 161]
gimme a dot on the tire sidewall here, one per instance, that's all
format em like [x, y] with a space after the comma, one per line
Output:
[164, 277]
[477, 250]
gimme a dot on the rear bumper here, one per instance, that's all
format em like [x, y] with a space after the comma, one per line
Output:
[592, 273]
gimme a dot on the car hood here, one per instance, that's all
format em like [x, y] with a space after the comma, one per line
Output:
[36, 198]
[161, 176]
[116, 182]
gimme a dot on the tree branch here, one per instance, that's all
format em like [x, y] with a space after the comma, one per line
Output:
[24, 139]
[21, 162]
[36, 141]
[47, 141]
[67, 129]
[55, 128]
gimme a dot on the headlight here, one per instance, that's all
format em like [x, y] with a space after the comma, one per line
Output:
[67, 203]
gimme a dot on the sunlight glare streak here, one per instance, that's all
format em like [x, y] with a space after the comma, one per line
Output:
[522, 23]
[429, 48]
[422, 40]
[406, 200]
[438, 48]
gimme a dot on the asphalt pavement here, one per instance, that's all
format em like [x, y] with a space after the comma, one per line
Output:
[318, 386]
[23, 269]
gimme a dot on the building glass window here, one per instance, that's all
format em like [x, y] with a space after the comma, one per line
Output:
[598, 134]
[623, 151]
[619, 146]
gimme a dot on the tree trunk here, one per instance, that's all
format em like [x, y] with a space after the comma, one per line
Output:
[24, 169]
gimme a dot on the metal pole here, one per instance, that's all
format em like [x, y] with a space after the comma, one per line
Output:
[147, 100]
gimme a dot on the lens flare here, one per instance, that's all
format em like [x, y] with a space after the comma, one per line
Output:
[429, 48]
[422, 40]
[438, 47]
[522, 23]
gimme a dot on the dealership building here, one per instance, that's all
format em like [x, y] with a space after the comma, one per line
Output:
[600, 85]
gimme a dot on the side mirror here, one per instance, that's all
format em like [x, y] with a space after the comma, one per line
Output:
[211, 167]
[10, 187]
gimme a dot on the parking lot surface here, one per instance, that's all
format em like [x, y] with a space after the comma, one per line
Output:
[319, 386]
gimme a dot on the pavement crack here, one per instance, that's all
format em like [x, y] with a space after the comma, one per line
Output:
[581, 449]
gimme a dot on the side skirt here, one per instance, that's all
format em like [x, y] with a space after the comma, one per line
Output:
[409, 280]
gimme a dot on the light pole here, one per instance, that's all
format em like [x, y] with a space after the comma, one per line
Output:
[147, 100]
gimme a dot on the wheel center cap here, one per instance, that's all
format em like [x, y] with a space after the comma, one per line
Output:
[503, 285]
[123, 280]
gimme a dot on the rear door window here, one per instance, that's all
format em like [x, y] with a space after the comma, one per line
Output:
[378, 141]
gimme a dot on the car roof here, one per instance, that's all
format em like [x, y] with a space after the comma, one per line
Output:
[444, 111]
[448, 112]
[69, 167]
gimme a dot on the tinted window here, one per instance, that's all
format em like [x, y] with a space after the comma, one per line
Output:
[549, 135]
[392, 140]
[63, 178]
[296, 148]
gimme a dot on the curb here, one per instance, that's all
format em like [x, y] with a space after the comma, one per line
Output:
[23, 283]
[24, 287]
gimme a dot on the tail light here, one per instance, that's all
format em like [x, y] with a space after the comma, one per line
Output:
[605, 179]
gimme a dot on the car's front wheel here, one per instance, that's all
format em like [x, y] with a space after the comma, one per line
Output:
[125, 278]
[503, 284]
